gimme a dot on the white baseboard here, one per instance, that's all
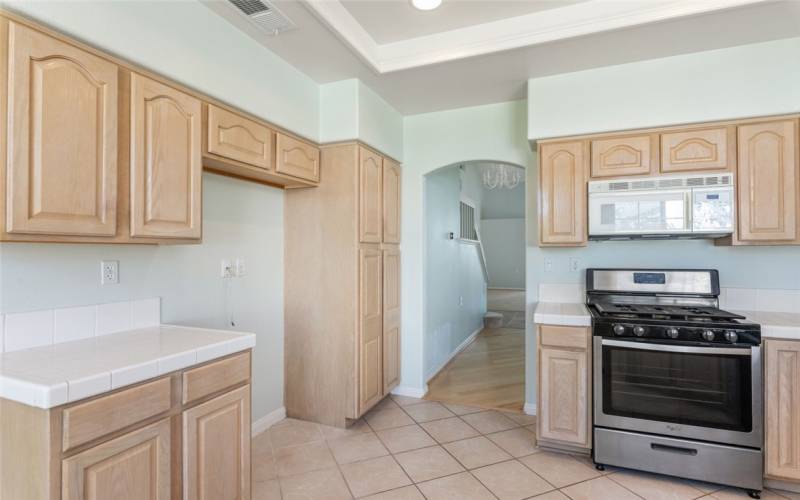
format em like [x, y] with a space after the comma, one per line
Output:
[529, 408]
[467, 341]
[268, 421]
[411, 392]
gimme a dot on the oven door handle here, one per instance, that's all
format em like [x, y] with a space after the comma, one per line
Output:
[678, 348]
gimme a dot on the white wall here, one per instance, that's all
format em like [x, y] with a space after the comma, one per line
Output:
[504, 203]
[504, 244]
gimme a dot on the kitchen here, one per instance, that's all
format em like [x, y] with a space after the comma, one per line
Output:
[248, 221]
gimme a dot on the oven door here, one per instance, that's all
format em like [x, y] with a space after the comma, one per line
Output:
[707, 393]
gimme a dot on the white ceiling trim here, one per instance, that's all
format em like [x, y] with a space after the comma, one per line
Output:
[550, 25]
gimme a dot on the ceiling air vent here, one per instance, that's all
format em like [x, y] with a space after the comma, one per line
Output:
[264, 15]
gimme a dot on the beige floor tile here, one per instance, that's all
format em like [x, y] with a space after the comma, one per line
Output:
[406, 400]
[518, 442]
[303, 458]
[461, 409]
[426, 412]
[511, 480]
[449, 429]
[291, 432]
[739, 494]
[357, 427]
[374, 476]
[263, 465]
[656, 487]
[553, 495]
[355, 448]
[428, 463]
[325, 484]
[410, 437]
[607, 469]
[476, 452]
[404, 493]
[385, 404]
[265, 490]
[462, 486]
[600, 488]
[487, 422]
[386, 419]
[521, 418]
[788, 494]
[559, 469]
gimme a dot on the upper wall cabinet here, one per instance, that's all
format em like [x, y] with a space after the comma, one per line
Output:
[62, 138]
[563, 169]
[701, 149]
[370, 206]
[297, 158]
[391, 201]
[165, 163]
[618, 156]
[768, 182]
[237, 138]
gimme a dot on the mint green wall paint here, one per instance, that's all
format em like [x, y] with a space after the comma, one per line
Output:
[504, 203]
[749, 80]
[504, 244]
[338, 117]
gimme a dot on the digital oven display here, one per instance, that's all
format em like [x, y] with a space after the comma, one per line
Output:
[649, 278]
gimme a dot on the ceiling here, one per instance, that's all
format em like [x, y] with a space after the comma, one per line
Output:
[321, 51]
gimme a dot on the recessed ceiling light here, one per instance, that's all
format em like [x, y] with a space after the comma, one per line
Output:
[426, 4]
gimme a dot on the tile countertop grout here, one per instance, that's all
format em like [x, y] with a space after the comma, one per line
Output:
[57, 374]
[774, 325]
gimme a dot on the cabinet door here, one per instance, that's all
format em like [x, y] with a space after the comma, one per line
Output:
[216, 448]
[562, 193]
[391, 201]
[767, 181]
[564, 396]
[296, 158]
[166, 165]
[391, 318]
[235, 137]
[135, 466]
[619, 156]
[62, 138]
[702, 149]
[782, 387]
[370, 328]
[370, 206]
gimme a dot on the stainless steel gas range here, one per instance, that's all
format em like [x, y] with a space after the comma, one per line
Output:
[677, 381]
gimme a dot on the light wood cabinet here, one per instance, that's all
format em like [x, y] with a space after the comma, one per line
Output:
[391, 318]
[564, 398]
[62, 138]
[391, 201]
[782, 395]
[234, 137]
[619, 156]
[563, 171]
[165, 163]
[296, 158]
[370, 203]
[216, 448]
[767, 182]
[132, 467]
[370, 342]
[700, 149]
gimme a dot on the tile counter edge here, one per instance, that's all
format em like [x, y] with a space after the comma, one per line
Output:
[561, 313]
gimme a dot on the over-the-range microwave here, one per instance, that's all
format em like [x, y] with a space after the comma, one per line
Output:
[686, 206]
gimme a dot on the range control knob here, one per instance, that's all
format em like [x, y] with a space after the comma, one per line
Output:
[672, 332]
[619, 329]
[732, 337]
[708, 335]
[638, 331]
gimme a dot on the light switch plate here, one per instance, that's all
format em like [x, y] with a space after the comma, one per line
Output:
[226, 269]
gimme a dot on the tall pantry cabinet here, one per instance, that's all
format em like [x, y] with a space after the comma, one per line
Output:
[342, 296]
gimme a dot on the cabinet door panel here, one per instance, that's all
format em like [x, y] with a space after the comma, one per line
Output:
[564, 386]
[370, 348]
[562, 184]
[391, 201]
[767, 181]
[391, 319]
[166, 165]
[703, 149]
[297, 158]
[370, 208]
[216, 448]
[238, 138]
[135, 466]
[783, 409]
[623, 156]
[62, 138]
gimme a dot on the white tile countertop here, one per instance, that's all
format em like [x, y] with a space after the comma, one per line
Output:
[53, 375]
[775, 325]
[562, 313]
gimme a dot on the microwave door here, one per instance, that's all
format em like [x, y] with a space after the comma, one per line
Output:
[712, 210]
[640, 213]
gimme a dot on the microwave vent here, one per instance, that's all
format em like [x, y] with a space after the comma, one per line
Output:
[655, 183]
[618, 186]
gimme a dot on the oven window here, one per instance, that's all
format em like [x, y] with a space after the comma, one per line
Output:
[703, 390]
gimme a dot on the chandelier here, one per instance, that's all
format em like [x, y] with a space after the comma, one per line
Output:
[501, 176]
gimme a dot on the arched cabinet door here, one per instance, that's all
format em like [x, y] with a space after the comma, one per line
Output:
[166, 167]
[62, 138]
[370, 201]
[562, 183]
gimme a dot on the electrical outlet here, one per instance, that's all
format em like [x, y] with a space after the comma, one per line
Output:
[239, 267]
[461, 301]
[226, 269]
[109, 272]
[574, 264]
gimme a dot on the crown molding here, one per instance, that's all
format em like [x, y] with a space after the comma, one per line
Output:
[593, 16]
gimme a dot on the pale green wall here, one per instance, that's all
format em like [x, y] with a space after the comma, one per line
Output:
[338, 116]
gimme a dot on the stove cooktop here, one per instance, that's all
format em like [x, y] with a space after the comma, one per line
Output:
[664, 312]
